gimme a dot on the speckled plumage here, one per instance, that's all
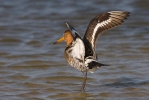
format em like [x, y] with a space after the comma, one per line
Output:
[80, 53]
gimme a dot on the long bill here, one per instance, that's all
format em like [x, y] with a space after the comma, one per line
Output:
[59, 40]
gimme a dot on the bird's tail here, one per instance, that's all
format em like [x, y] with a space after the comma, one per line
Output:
[94, 65]
[100, 64]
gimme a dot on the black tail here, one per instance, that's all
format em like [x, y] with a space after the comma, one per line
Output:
[95, 64]
[100, 64]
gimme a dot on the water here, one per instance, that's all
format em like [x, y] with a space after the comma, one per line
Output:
[31, 68]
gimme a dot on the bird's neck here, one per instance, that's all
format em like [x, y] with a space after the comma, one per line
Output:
[69, 41]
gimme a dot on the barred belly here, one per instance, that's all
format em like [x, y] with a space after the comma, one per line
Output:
[75, 62]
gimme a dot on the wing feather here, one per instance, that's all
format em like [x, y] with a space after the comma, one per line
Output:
[74, 33]
[99, 24]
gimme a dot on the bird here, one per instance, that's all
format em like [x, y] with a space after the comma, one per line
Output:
[80, 53]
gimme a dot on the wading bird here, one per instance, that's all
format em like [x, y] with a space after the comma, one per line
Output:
[80, 52]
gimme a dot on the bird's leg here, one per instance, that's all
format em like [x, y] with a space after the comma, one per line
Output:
[84, 82]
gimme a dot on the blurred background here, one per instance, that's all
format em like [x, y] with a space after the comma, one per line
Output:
[32, 68]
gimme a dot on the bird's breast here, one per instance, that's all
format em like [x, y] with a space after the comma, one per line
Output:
[74, 55]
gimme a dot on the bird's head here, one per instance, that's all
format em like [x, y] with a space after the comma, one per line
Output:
[66, 37]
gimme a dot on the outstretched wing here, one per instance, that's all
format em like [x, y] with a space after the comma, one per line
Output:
[100, 24]
[74, 33]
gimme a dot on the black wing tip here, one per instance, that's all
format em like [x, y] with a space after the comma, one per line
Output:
[127, 14]
[69, 26]
[73, 31]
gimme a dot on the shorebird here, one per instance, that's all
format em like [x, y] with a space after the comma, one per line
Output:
[80, 52]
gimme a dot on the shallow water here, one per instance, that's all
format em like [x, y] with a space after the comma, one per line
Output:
[31, 68]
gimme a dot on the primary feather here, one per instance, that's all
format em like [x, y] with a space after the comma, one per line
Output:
[99, 24]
